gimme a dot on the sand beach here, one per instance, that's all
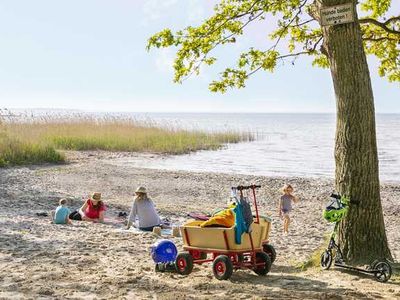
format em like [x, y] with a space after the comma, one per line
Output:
[41, 260]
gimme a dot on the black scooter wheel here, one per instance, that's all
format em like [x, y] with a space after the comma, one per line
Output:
[326, 259]
[383, 271]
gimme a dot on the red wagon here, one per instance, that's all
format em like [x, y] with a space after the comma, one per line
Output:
[217, 245]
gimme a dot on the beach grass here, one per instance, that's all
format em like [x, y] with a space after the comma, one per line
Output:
[16, 152]
[314, 260]
[39, 140]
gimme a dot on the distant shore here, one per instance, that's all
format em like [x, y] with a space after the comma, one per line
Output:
[101, 261]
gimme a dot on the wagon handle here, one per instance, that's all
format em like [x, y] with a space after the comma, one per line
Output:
[255, 205]
[253, 187]
[246, 187]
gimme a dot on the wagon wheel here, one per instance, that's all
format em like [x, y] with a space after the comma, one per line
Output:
[384, 271]
[262, 257]
[222, 267]
[270, 250]
[184, 263]
[326, 259]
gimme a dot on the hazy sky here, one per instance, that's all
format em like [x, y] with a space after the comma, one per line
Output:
[91, 55]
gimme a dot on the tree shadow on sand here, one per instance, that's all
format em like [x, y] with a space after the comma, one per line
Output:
[245, 284]
[283, 282]
[360, 275]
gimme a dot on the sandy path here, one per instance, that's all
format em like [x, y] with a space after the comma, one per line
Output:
[42, 260]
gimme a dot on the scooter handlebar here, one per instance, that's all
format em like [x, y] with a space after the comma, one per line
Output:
[336, 196]
[345, 200]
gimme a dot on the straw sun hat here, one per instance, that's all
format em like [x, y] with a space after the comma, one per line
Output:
[96, 196]
[141, 190]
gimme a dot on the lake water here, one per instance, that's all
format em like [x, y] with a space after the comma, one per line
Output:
[285, 145]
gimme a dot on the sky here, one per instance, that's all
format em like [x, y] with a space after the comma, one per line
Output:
[91, 55]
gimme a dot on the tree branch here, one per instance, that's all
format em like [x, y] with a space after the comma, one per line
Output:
[289, 24]
[303, 23]
[383, 25]
[279, 57]
[380, 39]
[249, 11]
[198, 64]
[392, 19]
[309, 51]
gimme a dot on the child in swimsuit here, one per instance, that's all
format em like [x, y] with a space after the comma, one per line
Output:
[285, 206]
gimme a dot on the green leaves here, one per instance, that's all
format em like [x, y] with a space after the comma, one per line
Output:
[162, 39]
[321, 61]
[296, 33]
[229, 78]
[377, 8]
[255, 59]
[388, 52]
[196, 43]
[248, 63]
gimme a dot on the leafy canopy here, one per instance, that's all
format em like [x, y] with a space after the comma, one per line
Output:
[296, 26]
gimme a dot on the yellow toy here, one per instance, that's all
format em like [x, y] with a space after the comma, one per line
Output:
[225, 218]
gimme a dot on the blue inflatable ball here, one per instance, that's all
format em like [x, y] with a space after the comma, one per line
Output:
[163, 251]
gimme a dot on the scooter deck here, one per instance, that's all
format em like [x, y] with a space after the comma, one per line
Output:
[356, 269]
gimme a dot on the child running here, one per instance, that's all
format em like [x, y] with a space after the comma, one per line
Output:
[143, 208]
[285, 206]
[61, 215]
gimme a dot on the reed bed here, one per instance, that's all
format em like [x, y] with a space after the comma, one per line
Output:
[34, 140]
[15, 152]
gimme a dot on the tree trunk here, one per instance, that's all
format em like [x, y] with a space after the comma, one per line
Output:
[362, 235]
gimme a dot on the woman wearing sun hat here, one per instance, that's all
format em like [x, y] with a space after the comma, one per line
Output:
[93, 209]
[143, 208]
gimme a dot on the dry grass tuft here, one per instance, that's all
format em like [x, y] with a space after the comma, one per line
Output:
[36, 140]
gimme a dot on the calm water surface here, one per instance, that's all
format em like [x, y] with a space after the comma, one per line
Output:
[286, 144]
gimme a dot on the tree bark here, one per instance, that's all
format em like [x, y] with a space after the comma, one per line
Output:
[362, 235]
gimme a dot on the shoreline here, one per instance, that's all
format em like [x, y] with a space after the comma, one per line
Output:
[100, 261]
[76, 156]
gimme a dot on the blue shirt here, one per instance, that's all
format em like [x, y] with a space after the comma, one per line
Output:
[61, 215]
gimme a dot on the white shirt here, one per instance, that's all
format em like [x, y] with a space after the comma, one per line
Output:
[145, 211]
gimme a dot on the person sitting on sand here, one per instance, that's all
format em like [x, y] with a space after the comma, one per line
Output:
[143, 208]
[61, 215]
[285, 206]
[93, 209]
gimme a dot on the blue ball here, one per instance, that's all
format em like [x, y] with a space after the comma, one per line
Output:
[163, 251]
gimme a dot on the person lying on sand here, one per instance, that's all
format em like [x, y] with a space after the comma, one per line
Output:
[61, 214]
[143, 208]
[92, 210]
[285, 206]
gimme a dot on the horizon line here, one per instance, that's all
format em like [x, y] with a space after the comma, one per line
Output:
[181, 112]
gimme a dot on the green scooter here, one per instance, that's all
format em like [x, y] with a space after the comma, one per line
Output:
[335, 212]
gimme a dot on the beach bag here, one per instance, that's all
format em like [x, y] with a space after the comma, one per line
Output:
[75, 215]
